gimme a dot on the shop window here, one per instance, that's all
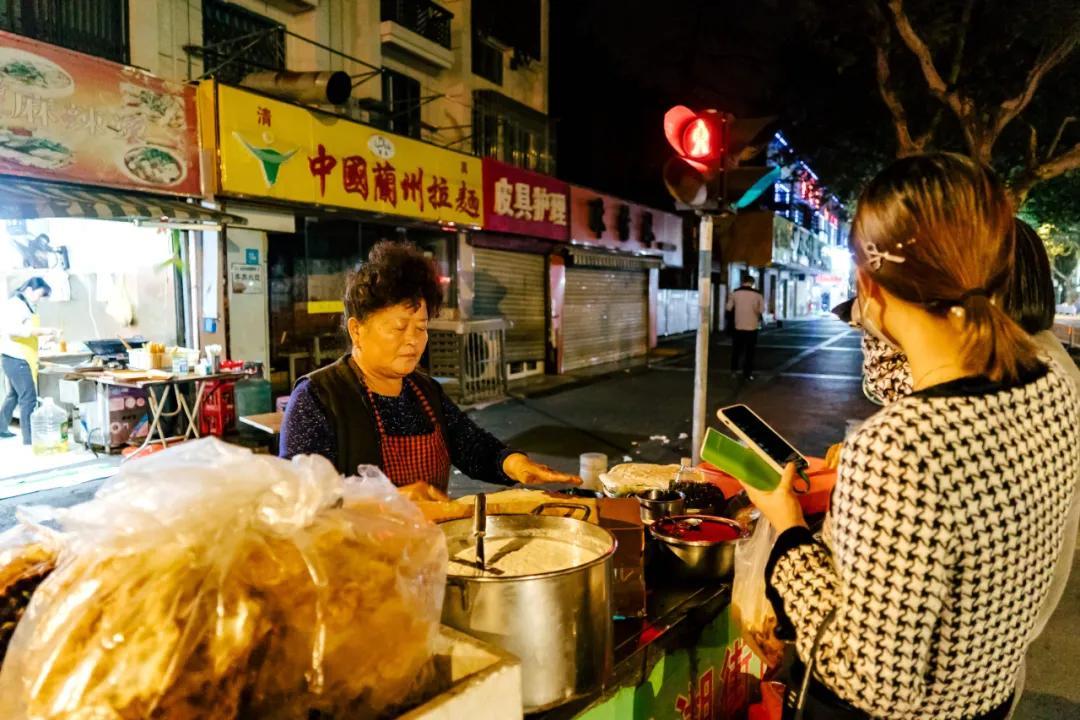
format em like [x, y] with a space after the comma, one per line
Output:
[401, 95]
[95, 27]
[238, 42]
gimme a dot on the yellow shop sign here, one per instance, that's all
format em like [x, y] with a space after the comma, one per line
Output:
[272, 149]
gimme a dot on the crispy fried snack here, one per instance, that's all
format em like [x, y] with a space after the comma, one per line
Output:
[25, 562]
[255, 589]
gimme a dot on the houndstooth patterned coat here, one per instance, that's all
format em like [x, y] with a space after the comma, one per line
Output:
[947, 517]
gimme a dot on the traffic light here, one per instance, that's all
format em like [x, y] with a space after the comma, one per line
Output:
[704, 174]
[700, 139]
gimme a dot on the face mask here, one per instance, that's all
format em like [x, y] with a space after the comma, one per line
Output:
[862, 319]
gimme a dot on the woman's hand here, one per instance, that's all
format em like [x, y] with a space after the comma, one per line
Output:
[780, 506]
[422, 492]
[520, 468]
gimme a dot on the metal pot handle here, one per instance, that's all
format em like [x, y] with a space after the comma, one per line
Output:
[572, 507]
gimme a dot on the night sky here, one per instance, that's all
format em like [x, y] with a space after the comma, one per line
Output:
[617, 65]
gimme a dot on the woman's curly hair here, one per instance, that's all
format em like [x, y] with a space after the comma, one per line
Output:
[396, 272]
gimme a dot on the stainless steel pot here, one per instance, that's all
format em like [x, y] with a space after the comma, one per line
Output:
[558, 623]
[697, 559]
[659, 504]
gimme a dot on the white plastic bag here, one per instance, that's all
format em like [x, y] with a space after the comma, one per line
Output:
[207, 581]
[750, 608]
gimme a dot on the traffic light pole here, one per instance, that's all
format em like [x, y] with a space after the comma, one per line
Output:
[701, 364]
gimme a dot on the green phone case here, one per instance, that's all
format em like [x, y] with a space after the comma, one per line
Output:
[739, 461]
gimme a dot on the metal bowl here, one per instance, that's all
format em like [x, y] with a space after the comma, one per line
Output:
[697, 559]
[659, 504]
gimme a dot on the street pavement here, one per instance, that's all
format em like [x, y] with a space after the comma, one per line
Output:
[807, 386]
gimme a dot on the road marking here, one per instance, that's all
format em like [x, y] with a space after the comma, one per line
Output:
[810, 351]
[816, 376]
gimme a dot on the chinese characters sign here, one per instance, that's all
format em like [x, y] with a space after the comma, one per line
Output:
[526, 203]
[71, 117]
[607, 221]
[273, 149]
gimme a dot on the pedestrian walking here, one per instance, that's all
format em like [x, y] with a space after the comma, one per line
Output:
[20, 328]
[952, 502]
[747, 305]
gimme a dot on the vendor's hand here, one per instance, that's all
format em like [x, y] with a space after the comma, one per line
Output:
[422, 492]
[780, 506]
[520, 468]
[44, 331]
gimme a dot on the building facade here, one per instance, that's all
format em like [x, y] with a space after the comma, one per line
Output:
[793, 242]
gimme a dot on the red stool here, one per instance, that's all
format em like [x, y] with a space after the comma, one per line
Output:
[217, 415]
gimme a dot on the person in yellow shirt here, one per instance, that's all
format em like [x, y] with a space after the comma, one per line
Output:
[20, 328]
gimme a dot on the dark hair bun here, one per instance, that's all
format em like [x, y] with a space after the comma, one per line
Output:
[396, 272]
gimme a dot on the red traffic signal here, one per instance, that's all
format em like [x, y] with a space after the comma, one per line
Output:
[700, 139]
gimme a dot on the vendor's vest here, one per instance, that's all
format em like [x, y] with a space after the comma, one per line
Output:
[349, 411]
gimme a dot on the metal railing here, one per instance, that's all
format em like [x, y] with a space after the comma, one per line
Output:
[95, 27]
[422, 17]
[470, 353]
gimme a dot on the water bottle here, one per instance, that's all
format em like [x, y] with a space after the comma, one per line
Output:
[48, 428]
[687, 472]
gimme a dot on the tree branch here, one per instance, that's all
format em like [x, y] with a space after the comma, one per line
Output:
[922, 53]
[1057, 137]
[904, 144]
[1063, 163]
[954, 71]
[962, 107]
[1011, 108]
[1033, 146]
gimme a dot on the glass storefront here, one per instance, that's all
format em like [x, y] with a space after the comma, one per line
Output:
[308, 272]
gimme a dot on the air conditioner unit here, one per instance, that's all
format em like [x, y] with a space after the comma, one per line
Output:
[294, 7]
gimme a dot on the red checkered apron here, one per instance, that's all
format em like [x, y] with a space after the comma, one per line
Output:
[408, 459]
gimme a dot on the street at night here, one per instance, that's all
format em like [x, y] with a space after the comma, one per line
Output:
[546, 359]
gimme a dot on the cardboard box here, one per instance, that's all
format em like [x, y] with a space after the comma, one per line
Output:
[622, 517]
[482, 681]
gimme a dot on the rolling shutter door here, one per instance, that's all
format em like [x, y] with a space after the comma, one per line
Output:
[605, 316]
[513, 285]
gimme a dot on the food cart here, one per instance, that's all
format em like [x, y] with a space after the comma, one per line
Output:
[660, 647]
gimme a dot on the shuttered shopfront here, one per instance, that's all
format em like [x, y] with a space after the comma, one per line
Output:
[605, 315]
[513, 285]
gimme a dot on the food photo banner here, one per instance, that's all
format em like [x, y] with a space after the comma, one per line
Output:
[270, 148]
[74, 118]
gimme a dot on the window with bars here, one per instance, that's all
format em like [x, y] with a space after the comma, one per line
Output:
[401, 95]
[95, 27]
[511, 132]
[238, 42]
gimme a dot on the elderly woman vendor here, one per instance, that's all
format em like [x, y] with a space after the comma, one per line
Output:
[372, 406]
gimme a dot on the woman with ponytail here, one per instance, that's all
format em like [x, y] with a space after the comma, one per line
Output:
[951, 503]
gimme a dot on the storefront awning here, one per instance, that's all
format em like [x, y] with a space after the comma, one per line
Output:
[619, 261]
[20, 199]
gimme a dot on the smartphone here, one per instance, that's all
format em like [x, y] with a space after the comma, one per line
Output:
[759, 437]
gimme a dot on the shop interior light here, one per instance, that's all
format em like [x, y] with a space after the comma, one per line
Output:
[208, 227]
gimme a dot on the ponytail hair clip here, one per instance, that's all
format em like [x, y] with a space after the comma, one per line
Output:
[875, 257]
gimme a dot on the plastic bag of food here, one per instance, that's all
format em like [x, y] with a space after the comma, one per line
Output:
[27, 556]
[750, 608]
[206, 581]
